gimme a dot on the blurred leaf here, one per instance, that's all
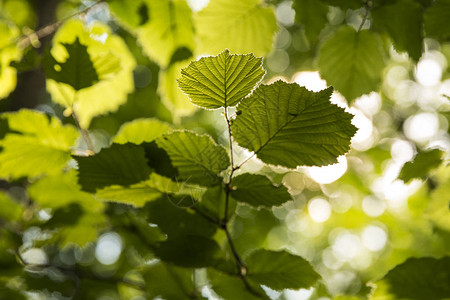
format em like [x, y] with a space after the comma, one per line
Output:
[30, 60]
[438, 209]
[193, 251]
[417, 278]
[402, 20]
[352, 61]
[9, 52]
[222, 80]
[10, 209]
[345, 4]
[77, 71]
[258, 190]
[280, 270]
[213, 203]
[113, 64]
[169, 28]
[421, 165]
[169, 282]
[130, 14]
[287, 125]
[141, 130]
[36, 138]
[236, 25]
[312, 15]
[198, 158]
[117, 165]
[232, 287]
[436, 20]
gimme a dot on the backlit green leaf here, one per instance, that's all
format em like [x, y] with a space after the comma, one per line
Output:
[436, 20]
[280, 270]
[352, 62]
[141, 130]
[246, 26]
[312, 15]
[258, 190]
[402, 20]
[421, 165]
[287, 125]
[36, 138]
[119, 164]
[11, 210]
[417, 278]
[198, 158]
[222, 80]
[9, 52]
[77, 70]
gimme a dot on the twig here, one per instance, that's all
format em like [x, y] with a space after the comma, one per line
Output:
[366, 14]
[84, 133]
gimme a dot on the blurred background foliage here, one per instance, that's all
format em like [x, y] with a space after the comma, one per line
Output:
[354, 221]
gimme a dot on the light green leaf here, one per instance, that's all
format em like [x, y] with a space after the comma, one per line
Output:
[198, 158]
[417, 278]
[171, 95]
[258, 190]
[436, 20]
[352, 62]
[312, 14]
[169, 28]
[117, 165]
[113, 63]
[77, 71]
[421, 165]
[141, 130]
[9, 52]
[232, 287]
[222, 80]
[36, 138]
[438, 209]
[280, 270]
[153, 188]
[287, 125]
[11, 210]
[130, 14]
[246, 26]
[402, 20]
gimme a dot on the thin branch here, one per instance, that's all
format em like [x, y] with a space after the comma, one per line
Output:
[84, 133]
[366, 14]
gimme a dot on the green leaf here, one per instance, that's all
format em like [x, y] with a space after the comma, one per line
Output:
[130, 14]
[246, 26]
[258, 190]
[113, 63]
[436, 20]
[140, 193]
[345, 4]
[312, 15]
[192, 251]
[169, 28]
[402, 20]
[438, 207]
[287, 125]
[119, 164]
[197, 157]
[280, 270]
[11, 210]
[222, 80]
[36, 138]
[213, 203]
[232, 287]
[352, 61]
[139, 131]
[77, 71]
[9, 52]
[169, 282]
[421, 165]
[416, 278]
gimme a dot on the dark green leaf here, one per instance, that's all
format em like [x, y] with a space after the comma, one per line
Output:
[280, 270]
[312, 14]
[258, 190]
[352, 61]
[77, 71]
[402, 20]
[222, 80]
[198, 158]
[119, 164]
[213, 203]
[421, 165]
[437, 18]
[285, 124]
[417, 278]
[345, 4]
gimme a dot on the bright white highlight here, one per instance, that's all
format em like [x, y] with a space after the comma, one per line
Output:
[310, 80]
[35, 256]
[109, 247]
[346, 246]
[319, 210]
[374, 238]
[328, 174]
[421, 127]
[197, 5]
[428, 72]
[373, 207]
[285, 14]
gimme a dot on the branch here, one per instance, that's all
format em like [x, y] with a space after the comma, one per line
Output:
[84, 133]
[367, 6]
